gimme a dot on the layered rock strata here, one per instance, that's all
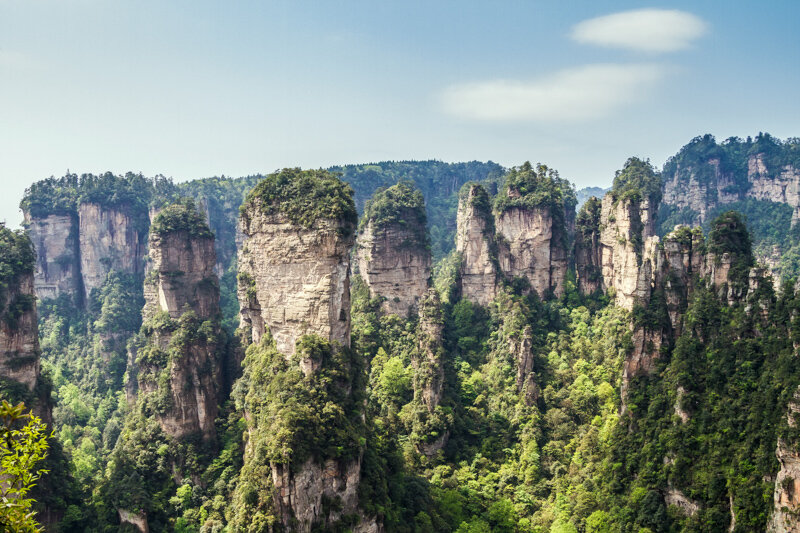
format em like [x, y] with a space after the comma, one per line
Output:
[428, 364]
[394, 257]
[477, 246]
[109, 240]
[55, 240]
[786, 499]
[294, 280]
[182, 284]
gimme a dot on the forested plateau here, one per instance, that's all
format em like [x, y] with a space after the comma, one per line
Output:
[410, 346]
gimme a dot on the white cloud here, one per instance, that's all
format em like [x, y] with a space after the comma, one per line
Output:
[577, 94]
[646, 30]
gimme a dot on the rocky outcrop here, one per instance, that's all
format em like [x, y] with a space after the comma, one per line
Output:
[294, 280]
[394, 257]
[109, 240]
[588, 253]
[786, 499]
[300, 494]
[182, 285]
[19, 333]
[529, 248]
[138, 521]
[55, 240]
[476, 244]
[428, 364]
[294, 284]
[520, 347]
[19, 330]
[625, 227]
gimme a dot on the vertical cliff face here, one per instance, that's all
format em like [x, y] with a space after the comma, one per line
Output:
[109, 240]
[181, 361]
[626, 224]
[588, 253]
[786, 499]
[55, 240]
[301, 380]
[525, 251]
[430, 425]
[294, 276]
[534, 221]
[475, 242]
[394, 257]
[19, 336]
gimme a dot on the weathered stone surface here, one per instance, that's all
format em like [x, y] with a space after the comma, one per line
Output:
[137, 520]
[182, 272]
[786, 499]
[520, 347]
[625, 227]
[475, 241]
[300, 490]
[55, 240]
[529, 249]
[588, 252]
[395, 266]
[19, 342]
[182, 279]
[293, 280]
[108, 241]
[428, 361]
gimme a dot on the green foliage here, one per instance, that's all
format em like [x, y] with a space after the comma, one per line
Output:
[131, 193]
[181, 216]
[438, 181]
[526, 186]
[23, 444]
[16, 260]
[304, 197]
[637, 181]
[401, 204]
[729, 235]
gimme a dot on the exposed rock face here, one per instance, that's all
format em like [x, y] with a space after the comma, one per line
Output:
[786, 507]
[684, 188]
[109, 241]
[300, 494]
[294, 280]
[181, 274]
[182, 282]
[530, 249]
[526, 378]
[55, 239]
[19, 336]
[588, 253]
[137, 520]
[394, 265]
[625, 227]
[475, 241]
[428, 364]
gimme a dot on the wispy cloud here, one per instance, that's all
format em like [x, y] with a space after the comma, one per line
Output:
[645, 30]
[577, 94]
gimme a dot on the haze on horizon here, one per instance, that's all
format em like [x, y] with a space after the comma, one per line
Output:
[191, 90]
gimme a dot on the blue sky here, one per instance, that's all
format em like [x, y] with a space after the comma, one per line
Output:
[192, 89]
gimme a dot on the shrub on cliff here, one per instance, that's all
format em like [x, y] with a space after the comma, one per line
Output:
[304, 197]
[637, 180]
[526, 186]
[401, 204]
[181, 216]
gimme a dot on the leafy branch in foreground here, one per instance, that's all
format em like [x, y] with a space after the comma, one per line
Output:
[21, 448]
